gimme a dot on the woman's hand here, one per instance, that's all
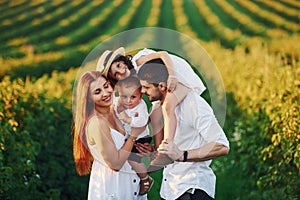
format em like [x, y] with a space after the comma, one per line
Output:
[171, 150]
[144, 149]
[172, 83]
[135, 131]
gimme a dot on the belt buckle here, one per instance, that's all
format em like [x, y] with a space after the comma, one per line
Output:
[191, 190]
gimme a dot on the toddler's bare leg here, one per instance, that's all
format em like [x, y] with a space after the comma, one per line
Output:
[139, 168]
[146, 182]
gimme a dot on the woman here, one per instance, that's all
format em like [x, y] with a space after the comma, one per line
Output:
[116, 66]
[99, 145]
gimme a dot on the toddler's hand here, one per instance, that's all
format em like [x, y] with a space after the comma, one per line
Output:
[120, 107]
[124, 117]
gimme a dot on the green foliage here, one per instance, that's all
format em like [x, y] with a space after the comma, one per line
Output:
[265, 135]
[155, 190]
[36, 145]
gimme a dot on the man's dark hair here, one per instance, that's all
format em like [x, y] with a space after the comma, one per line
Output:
[153, 72]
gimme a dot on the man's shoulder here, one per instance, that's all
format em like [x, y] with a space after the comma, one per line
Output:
[193, 96]
[194, 100]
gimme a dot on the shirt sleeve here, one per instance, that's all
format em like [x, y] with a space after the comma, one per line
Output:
[186, 75]
[142, 115]
[143, 52]
[203, 119]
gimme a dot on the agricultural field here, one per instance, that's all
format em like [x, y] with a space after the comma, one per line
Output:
[254, 45]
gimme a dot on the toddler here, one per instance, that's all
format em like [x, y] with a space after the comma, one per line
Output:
[132, 111]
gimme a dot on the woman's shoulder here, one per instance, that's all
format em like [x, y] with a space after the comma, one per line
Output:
[94, 118]
[97, 121]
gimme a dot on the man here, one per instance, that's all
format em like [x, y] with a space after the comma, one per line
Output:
[198, 139]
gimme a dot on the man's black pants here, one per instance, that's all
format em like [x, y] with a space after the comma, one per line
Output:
[197, 195]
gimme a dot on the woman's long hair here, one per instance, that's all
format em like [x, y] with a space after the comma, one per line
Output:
[83, 108]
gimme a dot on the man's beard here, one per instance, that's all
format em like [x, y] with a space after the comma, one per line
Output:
[158, 97]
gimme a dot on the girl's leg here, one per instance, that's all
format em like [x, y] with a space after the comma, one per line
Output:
[169, 106]
[170, 120]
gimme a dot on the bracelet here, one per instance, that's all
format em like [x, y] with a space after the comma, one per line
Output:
[132, 139]
[185, 155]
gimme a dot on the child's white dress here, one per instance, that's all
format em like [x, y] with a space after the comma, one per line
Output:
[136, 121]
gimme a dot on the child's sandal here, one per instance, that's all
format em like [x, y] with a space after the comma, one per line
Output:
[146, 184]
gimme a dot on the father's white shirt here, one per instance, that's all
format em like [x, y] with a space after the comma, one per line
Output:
[196, 126]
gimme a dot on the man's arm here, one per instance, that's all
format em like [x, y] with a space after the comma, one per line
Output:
[207, 152]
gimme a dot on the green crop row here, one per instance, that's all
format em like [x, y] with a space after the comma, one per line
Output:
[244, 22]
[73, 25]
[292, 4]
[71, 31]
[270, 18]
[288, 13]
[37, 19]
[197, 23]
[227, 36]
[36, 32]
[16, 12]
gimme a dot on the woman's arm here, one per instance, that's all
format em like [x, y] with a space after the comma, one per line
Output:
[99, 133]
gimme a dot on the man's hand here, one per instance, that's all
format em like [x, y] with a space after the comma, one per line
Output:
[171, 150]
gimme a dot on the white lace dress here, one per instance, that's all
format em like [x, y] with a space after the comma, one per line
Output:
[108, 184]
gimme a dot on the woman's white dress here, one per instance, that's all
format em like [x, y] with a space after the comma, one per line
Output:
[108, 184]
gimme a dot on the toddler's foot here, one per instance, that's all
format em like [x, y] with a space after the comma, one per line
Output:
[146, 184]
